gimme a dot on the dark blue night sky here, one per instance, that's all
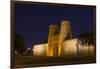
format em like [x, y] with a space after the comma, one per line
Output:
[32, 20]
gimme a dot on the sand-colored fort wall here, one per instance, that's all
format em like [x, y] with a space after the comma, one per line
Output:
[69, 48]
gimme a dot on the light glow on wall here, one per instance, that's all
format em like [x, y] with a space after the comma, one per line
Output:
[69, 47]
[87, 50]
[40, 49]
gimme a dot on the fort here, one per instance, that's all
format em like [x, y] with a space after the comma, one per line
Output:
[61, 43]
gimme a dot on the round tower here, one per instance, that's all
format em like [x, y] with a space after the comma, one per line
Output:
[52, 40]
[65, 33]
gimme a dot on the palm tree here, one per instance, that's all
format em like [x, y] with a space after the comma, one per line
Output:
[77, 47]
[85, 39]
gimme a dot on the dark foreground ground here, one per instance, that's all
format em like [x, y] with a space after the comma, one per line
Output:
[30, 61]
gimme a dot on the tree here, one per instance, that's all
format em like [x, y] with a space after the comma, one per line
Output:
[19, 43]
[84, 39]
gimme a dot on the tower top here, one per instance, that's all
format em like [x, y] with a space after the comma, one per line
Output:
[65, 22]
[53, 26]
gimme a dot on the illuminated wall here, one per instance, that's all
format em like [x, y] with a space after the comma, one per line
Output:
[86, 50]
[40, 49]
[70, 49]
